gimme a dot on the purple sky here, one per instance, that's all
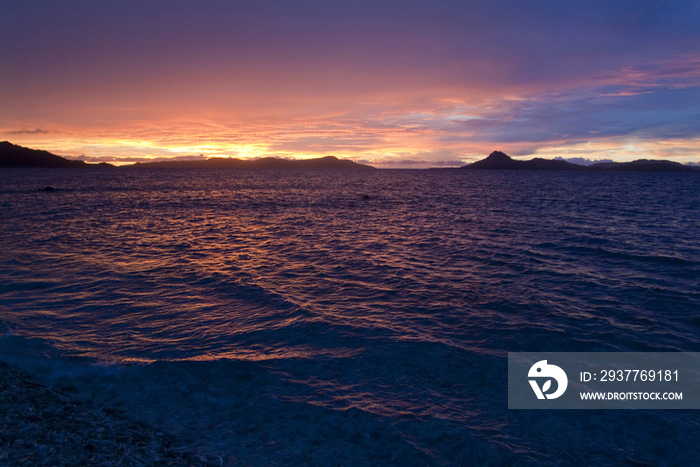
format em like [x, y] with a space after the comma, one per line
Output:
[403, 83]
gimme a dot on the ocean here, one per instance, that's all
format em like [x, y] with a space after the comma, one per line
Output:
[352, 317]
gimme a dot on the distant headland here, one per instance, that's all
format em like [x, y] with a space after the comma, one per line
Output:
[328, 162]
[498, 160]
[12, 155]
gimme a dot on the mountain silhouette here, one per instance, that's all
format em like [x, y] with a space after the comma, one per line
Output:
[643, 165]
[498, 160]
[12, 155]
[328, 162]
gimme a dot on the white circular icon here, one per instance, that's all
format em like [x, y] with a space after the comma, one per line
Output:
[542, 370]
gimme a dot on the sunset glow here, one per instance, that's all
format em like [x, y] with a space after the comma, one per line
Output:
[396, 85]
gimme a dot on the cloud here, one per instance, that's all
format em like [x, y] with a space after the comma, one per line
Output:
[396, 82]
[587, 114]
[36, 131]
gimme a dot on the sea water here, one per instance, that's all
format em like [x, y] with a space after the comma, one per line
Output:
[351, 317]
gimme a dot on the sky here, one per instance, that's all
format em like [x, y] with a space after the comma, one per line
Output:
[389, 83]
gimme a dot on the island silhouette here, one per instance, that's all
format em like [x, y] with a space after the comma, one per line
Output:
[498, 160]
[12, 155]
[328, 162]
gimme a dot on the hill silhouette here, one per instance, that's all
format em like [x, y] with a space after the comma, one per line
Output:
[12, 155]
[328, 162]
[498, 160]
[643, 165]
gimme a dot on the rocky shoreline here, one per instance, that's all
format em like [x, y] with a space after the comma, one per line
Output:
[49, 427]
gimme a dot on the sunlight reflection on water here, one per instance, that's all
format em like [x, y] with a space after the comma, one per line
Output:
[402, 305]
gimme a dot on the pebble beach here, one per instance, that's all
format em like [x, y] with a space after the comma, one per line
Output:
[51, 427]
